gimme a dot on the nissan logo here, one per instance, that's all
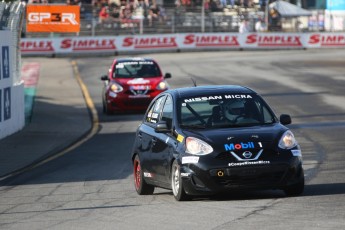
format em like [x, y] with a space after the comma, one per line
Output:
[247, 154]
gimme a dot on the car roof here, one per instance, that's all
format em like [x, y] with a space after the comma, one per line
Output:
[210, 90]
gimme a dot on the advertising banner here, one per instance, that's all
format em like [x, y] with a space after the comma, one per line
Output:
[5, 78]
[180, 42]
[53, 18]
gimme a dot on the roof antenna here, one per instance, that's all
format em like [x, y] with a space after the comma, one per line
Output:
[194, 82]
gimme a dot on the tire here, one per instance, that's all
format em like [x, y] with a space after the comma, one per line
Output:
[176, 183]
[106, 110]
[140, 185]
[295, 189]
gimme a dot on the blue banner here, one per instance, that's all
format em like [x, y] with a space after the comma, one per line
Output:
[335, 5]
[7, 103]
[5, 62]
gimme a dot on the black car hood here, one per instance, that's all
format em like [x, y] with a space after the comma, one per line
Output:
[266, 135]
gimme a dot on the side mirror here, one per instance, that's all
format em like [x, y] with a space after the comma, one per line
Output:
[162, 127]
[167, 75]
[285, 119]
[105, 78]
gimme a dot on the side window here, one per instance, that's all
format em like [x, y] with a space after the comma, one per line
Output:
[267, 116]
[155, 110]
[167, 113]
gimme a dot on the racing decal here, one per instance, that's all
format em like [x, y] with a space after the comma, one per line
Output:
[296, 152]
[122, 64]
[249, 163]
[237, 96]
[185, 174]
[88, 44]
[136, 81]
[247, 155]
[36, 46]
[140, 87]
[203, 98]
[147, 174]
[213, 40]
[327, 40]
[274, 40]
[155, 115]
[112, 94]
[238, 146]
[167, 140]
[150, 42]
[180, 138]
[219, 97]
[190, 160]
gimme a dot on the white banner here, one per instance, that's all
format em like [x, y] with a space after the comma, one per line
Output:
[187, 41]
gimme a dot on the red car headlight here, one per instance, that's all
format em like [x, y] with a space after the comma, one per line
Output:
[162, 85]
[116, 88]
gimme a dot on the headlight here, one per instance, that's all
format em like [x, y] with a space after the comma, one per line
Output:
[162, 85]
[116, 87]
[287, 141]
[197, 147]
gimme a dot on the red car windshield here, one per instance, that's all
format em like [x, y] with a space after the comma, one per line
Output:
[136, 69]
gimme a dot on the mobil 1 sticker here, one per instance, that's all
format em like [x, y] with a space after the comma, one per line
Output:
[5, 62]
[7, 103]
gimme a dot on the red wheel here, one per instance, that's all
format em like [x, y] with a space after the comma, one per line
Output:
[140, 185]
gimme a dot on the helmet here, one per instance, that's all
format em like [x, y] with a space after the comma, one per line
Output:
[232, 109]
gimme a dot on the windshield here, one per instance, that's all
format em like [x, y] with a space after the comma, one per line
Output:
[136, 69]
[230, 110]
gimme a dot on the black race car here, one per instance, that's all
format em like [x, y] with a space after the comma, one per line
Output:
[212, 139]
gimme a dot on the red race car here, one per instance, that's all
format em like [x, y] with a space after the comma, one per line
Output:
[131, 84]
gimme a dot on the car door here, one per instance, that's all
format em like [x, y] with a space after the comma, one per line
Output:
[160, 144]
[164, 144]
[151, 141]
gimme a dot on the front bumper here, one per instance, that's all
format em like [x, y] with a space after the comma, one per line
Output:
[198, 179]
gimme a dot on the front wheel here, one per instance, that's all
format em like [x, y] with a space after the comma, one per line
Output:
[176, 183]
[295, 189]
[140, 185]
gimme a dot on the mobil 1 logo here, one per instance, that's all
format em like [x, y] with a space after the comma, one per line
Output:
[7, 103]
[5, 62]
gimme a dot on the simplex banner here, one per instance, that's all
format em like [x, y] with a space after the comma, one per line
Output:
[186, 41]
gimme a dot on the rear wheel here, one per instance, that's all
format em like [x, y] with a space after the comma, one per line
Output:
[140, 185]
[176, 183]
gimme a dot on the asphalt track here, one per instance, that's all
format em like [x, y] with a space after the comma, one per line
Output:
[91, 186]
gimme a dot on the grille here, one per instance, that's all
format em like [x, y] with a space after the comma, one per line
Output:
[252, 176]
[228, 156]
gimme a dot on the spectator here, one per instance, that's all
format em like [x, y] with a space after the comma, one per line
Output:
[103, 15]
[180, 10]
[244, 26]
[115, 13]
[260, 25]
[153, 16]
[214, 6]
[222, 3]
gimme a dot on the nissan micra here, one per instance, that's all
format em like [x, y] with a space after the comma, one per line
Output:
[213, 139]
